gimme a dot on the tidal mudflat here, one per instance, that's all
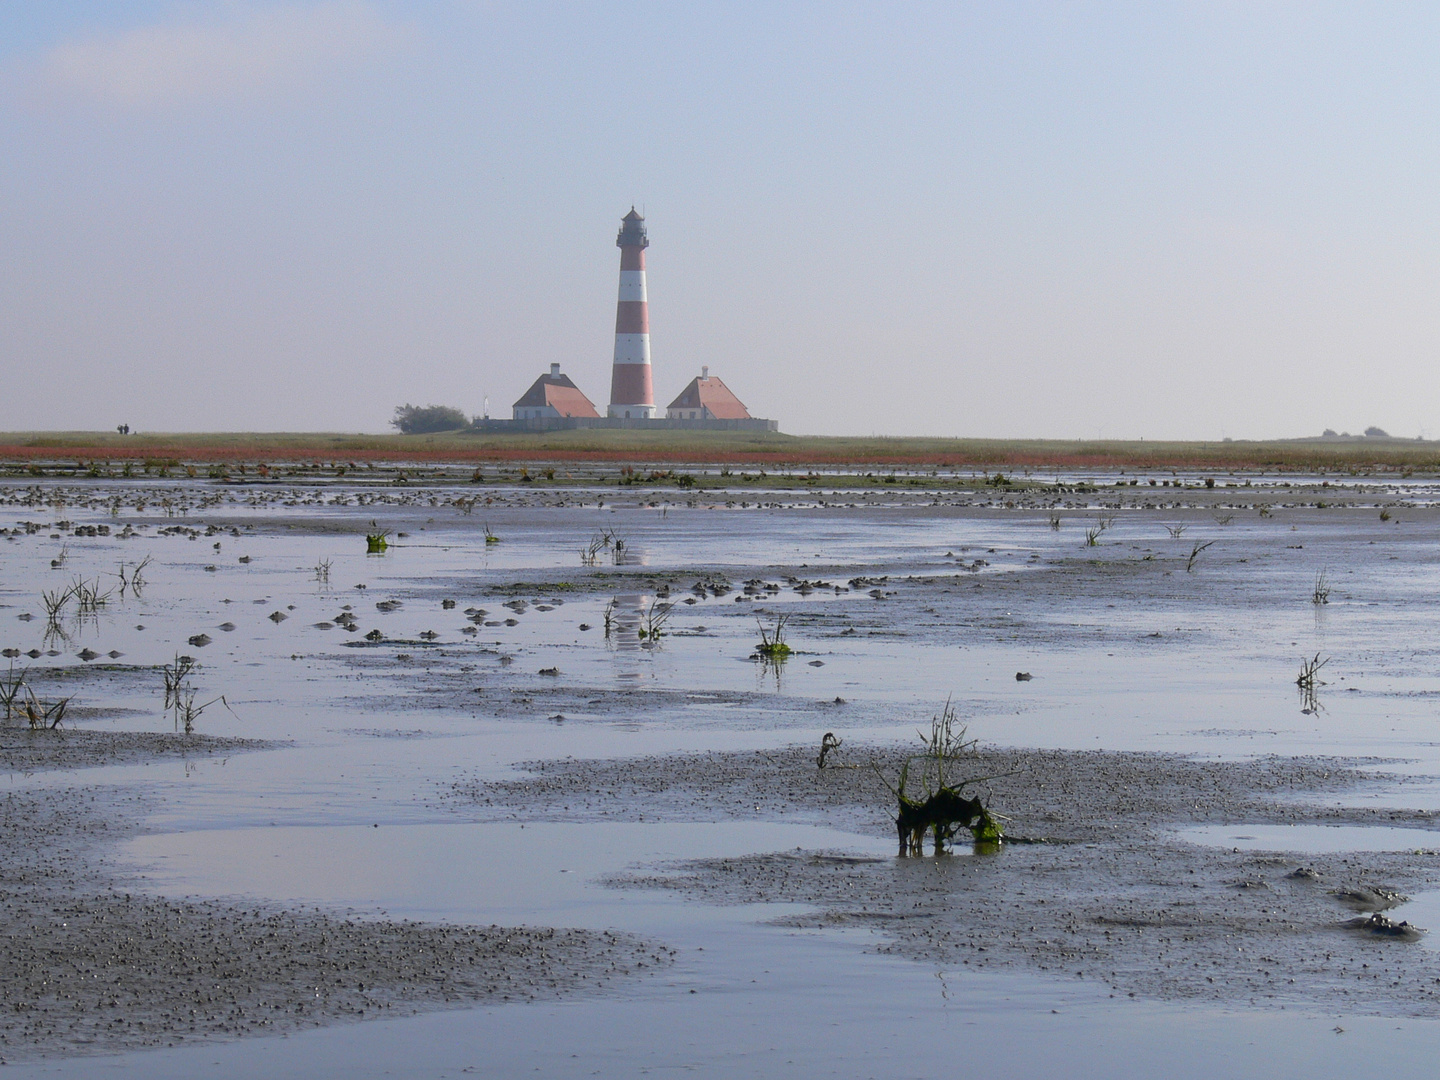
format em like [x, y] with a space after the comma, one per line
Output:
[511, 796]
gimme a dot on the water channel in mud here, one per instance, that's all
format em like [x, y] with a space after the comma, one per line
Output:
[382, 680]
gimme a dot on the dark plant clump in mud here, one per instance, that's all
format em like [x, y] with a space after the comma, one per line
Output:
[938, 807]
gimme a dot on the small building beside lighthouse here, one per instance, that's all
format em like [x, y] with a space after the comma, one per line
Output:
[707, 398]
[553, 396]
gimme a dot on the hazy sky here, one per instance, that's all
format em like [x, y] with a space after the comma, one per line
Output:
[1001, 219]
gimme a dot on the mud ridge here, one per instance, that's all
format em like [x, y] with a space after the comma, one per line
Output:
[1113, 896]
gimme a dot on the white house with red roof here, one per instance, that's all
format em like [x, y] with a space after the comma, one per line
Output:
[706, 398]
[551, 396]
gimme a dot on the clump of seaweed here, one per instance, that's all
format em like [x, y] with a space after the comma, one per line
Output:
[927, 803]
[772, 640]
[490, 537]
[378, 541]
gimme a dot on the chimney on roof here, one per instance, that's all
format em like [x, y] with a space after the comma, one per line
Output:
[705, 371]
[554, 371]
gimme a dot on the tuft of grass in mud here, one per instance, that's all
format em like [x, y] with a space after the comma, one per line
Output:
[772, 640]
[652, 621]
[12, 689]
[133, 579]
[1310, 684]
[180, 695]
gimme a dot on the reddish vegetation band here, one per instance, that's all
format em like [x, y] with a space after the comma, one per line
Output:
[1270, 456]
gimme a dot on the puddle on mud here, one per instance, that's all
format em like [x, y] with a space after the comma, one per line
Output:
[495, 872]
[1311, 839]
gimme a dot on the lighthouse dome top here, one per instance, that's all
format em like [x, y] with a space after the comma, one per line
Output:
[632, 231]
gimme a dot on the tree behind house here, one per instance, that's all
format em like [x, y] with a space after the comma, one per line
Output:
[415, 420]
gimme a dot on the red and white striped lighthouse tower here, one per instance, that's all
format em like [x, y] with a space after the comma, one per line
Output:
[632, 394]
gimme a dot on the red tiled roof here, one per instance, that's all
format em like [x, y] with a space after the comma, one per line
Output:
[560, 393]
[713, 395]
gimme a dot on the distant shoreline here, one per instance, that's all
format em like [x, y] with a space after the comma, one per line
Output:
[83, 449]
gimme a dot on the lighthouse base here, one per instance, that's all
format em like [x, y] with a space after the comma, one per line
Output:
[660, 423]
[631, 412]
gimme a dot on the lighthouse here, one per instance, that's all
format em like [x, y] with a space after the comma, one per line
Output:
[632, 394]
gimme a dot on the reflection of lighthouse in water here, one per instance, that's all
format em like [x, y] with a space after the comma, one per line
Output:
[632, 393]
[625, 622]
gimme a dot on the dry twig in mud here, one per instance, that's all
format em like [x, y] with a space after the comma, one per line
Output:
[1321, 595]
[1175, 531]
[1195, 554]
[939, 808]
[1309, 685]
[322, 571]
[830, 742]
[1055, 522]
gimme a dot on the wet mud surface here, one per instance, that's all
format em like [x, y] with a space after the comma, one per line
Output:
[24, 751]
[1112, 894]
[91, 964]
[400, 689]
